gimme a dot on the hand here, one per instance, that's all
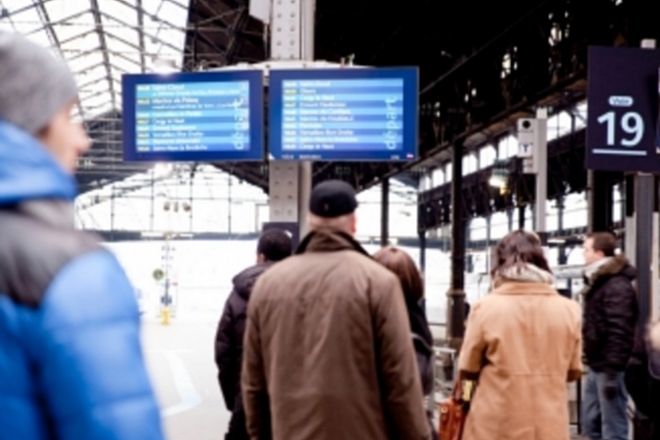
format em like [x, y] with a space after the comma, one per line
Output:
[611, 387]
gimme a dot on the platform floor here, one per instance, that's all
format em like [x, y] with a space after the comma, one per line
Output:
[180, 359]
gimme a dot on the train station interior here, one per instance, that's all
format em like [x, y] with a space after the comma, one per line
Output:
[181, 229]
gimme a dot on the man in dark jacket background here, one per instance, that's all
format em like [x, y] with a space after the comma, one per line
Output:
[274, 245]
[610, 319]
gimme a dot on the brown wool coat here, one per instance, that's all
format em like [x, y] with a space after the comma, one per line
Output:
[328, 352]
[524, 342]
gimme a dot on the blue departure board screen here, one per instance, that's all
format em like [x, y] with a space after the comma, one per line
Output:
[358, 114]
[204, 116]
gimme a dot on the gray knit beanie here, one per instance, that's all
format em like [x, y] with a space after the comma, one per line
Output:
[34, 83]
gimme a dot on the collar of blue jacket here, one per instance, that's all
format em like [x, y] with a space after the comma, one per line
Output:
[28, 171]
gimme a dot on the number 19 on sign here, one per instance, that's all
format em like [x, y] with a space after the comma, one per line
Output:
[631, 123]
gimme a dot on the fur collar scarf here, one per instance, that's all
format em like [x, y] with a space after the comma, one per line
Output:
[526, 274]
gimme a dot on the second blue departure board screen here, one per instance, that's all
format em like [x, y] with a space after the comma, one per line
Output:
[343, 114]
[206, 116]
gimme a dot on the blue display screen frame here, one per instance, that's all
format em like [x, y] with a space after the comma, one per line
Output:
[410, 77]
[256, 117]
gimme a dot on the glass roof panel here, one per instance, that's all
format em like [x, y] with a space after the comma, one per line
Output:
[59, 10]
[70, 27]
[85, 62]
[25, 20]
[121, 11]
[76, 46]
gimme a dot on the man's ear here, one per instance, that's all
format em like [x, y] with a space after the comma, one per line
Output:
[354, 224]
[261, 258]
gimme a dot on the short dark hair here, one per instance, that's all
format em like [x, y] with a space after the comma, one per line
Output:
[604, 242]
[517, 249]
[403, 266]
[275, 245]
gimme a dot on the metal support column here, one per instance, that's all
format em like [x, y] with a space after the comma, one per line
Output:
[456, 293]
[600, 202]
[153, 201]
[541, 158]
[644, 194]
[292, 38]
[521, 216]
[385, 213]
[422, 252]
[646, 261]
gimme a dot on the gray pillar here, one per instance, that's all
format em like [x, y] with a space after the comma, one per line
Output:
[541, 158]
[385, 213]
[644, 197]
[422, 252]
[456, 293]
[292, 38]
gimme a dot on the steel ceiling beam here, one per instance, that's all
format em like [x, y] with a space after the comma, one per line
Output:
[96, 12]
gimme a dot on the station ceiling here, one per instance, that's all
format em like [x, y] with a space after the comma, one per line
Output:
[482, 64]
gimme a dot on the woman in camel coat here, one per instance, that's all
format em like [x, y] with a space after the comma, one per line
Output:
[522, 344]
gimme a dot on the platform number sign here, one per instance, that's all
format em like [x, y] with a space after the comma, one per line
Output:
[623, 98]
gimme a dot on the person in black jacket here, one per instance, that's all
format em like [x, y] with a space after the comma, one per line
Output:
[610, 320]
[274, 245]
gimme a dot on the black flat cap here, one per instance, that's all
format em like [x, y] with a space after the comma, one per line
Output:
[332, 198]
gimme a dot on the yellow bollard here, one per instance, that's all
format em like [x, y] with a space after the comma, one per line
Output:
[165, 316]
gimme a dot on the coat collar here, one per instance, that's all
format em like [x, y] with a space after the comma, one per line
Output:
[508, 287]
[329, 240]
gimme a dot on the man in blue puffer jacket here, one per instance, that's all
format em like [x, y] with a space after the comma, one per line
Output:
[71, 365]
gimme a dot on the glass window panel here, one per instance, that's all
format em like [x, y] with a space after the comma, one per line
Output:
[17, 5]
[487, 156]
[469, 163]
[26, 21]
[119, 11]
[117, 46]
[125, 64]
[41, 38]
[172, 13]
[59, 10]
[564, 123]
[80, 45]
[92, 75]
[173, 37]
[438, 177]
[151, 6]
[553, 127]
[85, 62]
[70, 30]
[121, 29]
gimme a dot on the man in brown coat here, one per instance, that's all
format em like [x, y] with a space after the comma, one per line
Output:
[327, 350]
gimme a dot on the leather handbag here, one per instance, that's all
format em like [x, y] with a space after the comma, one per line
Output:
[453, 413]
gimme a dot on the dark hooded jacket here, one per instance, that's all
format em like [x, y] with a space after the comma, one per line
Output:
[610, 316]
[229, 337]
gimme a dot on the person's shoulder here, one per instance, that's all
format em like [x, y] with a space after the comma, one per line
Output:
[91, 288]
[32, 254]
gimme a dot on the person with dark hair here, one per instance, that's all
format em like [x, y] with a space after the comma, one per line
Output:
[71, 361]
[522, 344]
[403, 266]
[274, 245]
[610, 322]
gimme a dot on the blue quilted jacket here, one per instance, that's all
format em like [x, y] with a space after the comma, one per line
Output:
[71, 365]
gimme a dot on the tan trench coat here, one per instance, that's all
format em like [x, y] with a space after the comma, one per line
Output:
[524, 341]
[328, 352]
